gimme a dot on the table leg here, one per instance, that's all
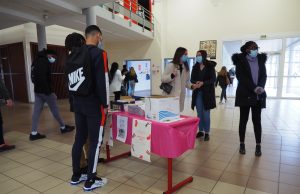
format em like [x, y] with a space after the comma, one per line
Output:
[110, 159]
[172, 188]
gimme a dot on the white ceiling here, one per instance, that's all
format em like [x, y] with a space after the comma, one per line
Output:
[67, 13]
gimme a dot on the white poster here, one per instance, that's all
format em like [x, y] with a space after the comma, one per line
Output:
[122, 128]
[141, 139]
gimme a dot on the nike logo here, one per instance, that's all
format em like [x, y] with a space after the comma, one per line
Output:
[75, 79]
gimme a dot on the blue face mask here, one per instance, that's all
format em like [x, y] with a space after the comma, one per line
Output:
[184, 58]
[199, 59]
[253, 53]
[51, 59]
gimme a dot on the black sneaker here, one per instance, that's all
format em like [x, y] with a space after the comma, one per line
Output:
[75, 180]
[67, 129]
[200, 134]
[36, 137]
[6, 147]
[242, 149]
[94, 183]
[206, 137]
[258, 150]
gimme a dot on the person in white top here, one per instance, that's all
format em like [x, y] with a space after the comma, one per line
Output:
[116, 80]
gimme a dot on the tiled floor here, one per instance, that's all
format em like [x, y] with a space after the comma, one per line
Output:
[45, 166]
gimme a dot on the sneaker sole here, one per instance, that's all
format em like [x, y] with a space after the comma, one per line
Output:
[94, 187]
[78, 182]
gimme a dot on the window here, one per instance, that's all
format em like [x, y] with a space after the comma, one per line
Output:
[291, 79]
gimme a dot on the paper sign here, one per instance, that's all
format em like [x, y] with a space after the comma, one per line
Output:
[141, 139]
[122, 128]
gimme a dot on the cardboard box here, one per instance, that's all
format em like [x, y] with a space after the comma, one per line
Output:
[161, 108]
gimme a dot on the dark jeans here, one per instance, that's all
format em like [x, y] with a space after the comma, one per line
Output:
[203, 114]
[256, 119]
[117, 95]
[223, 93]
[89, 119]
[1, 129]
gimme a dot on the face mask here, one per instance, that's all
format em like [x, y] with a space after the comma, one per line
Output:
[253, 53]
[199, 59]
[184, 58]
[51, 59]
[100, 45]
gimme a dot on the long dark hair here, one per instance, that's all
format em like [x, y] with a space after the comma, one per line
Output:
[113, 69]
[246, 46]
[74, 40]
[177, 56]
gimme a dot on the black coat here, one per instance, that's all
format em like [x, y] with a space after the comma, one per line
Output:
[245, 95]
[41, 74]
[208, 89]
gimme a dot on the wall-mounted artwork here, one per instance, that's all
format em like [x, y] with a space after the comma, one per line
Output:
[211, 48]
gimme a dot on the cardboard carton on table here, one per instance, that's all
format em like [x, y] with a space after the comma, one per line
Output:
[161, 108]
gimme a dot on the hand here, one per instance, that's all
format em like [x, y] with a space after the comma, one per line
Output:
[105, 111]
[259, 90]
[9, 103]
[200, 83]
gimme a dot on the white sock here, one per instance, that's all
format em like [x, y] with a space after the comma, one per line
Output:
[63, 127]
[33, 132]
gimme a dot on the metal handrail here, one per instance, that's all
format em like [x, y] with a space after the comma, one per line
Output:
[132, 12]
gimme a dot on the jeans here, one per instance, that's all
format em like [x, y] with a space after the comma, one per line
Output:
[256, 119]
[131, 88]
[40, 100]
[204, 115]
[223, 93]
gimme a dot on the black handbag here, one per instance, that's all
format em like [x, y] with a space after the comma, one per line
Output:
[166, 87]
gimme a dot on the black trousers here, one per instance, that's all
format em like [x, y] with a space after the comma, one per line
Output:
[1, 130]
[223, 93]
[90, 121]
[117, 95]
[256, 119]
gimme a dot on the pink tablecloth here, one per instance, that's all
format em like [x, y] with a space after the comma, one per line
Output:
[168, 140]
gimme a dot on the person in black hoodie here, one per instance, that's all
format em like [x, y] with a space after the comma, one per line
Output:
[223, 79]
[41, 79]
[250, 94]
[90, 113]
[203, 98]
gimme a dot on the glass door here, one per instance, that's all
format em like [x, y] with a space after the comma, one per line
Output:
[291, 78]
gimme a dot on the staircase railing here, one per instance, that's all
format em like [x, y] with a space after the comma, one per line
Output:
[133, 12]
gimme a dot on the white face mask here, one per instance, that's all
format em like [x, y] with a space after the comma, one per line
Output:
[51, 59]
[100, 45]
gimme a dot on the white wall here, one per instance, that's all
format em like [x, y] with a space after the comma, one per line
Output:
[189, 22]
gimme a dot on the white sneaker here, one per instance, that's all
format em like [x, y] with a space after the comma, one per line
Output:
[77, 180]
[94, 183]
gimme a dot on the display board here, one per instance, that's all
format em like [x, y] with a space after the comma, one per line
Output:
[143, 71]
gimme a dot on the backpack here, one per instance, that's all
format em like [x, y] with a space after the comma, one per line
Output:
[78, 70]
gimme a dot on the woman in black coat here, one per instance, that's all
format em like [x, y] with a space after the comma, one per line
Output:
[250, 94]
[203, 98]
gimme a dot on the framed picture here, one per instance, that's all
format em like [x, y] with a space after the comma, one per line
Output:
[211, 48]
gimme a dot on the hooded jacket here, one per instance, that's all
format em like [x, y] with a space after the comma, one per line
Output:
[41, 74]
[245, 95]
[209, 97]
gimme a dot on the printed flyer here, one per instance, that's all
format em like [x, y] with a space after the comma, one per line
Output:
[141, 139]
[122, 128]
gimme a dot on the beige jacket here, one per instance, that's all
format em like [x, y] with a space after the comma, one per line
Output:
[179, 83]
